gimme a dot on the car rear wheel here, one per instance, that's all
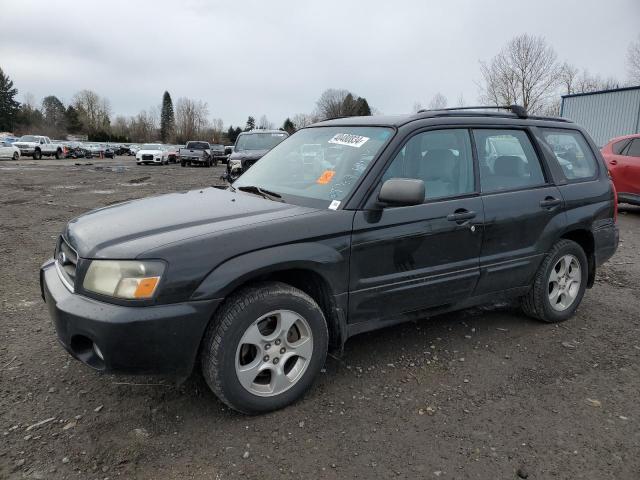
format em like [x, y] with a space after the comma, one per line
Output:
[16, 156]
[58, 154]
[264, 347]
[559, 284]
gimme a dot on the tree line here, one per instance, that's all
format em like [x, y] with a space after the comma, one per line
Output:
[526, 71]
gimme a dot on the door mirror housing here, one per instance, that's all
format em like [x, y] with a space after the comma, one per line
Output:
[402, 192]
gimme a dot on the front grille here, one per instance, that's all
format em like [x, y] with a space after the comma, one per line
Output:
[67, 261]
[147, 157]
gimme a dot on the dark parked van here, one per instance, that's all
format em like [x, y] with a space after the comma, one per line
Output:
[347, 226]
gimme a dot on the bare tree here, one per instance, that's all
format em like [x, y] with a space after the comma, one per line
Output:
[301, 120]
[437, 102]
[330, 103]
[633, 61]
[264, 123]
[191, 118]
[524, 72]
[417, 106]
[461, 101]
[217, 128]
[93, 110]
[568, 75]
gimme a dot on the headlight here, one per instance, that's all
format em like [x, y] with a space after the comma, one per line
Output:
[123, 278]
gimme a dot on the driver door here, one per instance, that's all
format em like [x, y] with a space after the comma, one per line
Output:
[408, 259]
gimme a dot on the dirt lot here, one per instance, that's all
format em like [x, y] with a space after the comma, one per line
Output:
[484, 393]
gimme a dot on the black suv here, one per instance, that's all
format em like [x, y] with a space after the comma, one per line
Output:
[347, 226]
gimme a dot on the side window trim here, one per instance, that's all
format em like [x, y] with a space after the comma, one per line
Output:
[539, 154]
[476, 180]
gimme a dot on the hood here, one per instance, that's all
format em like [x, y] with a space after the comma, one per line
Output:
[129, 229]
[150, 152]
[25, 144]
[248, 155]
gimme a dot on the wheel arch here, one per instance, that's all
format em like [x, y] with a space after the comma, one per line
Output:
[585, 239]
[316, 269]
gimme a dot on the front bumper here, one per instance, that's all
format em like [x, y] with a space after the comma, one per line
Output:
[159, 339]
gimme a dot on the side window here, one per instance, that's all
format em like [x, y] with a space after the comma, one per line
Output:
[507, 160]
[572, 152]
[634, 148]
[618, 147]
[441, 158]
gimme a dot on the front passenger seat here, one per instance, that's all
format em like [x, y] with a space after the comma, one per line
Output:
[436, 170]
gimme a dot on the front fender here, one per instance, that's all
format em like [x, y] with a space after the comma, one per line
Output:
[323, 259]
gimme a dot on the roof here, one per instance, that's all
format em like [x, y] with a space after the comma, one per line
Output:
[610, 90]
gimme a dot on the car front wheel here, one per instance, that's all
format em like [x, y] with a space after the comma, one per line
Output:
[559, 284]
[264, 347]
[16, 156]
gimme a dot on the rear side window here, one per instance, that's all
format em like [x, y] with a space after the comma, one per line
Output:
[634, 148]
[572, 152]
[618, 147]
[440, 158]
[507, 160]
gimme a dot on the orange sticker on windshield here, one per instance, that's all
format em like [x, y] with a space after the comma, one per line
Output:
[326, 177]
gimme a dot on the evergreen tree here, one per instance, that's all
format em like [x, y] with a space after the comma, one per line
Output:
[288, 126]
[54, 112]
[8, 104]
[251, 124]
[72, 120]
[237, 132]
[167, 119]
[362, 107]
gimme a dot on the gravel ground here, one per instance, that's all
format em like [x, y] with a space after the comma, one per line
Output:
[483, 393]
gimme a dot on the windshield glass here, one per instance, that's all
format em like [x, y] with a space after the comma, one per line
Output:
[197, 145]
[317, 166]
[29, 138]
[150, 146]
[259, 141]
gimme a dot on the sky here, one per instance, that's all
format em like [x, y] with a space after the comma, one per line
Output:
[275, 58]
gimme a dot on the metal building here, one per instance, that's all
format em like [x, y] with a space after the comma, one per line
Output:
[605, 114]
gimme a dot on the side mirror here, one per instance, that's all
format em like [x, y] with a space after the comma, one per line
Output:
[402, 192]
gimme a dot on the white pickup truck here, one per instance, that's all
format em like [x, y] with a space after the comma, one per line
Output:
[38, 146]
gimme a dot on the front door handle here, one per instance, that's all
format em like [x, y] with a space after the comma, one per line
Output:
[613, 162]
[550, 203]
[461, 215]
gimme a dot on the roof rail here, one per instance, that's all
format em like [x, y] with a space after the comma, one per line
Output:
[518, 110]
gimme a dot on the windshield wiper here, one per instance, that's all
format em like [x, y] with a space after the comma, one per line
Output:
[268, 194]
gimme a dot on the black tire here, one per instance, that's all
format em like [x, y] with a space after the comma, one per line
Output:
[183, 163]
[16, 156]
[226, 329]
[58, 154]
[536, 303]
[37, 154]
[208, 163]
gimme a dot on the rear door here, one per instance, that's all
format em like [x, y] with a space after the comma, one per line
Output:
[625, 168]
[406, 259]
[523, 209]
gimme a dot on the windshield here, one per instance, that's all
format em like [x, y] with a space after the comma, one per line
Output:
[259, 141]
[151, 146]
[197, 145]
[29, 138]
[317, 166]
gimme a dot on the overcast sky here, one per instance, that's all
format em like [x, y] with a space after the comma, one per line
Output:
[276, 57]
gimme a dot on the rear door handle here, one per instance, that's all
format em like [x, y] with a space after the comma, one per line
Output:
[461, 216]
[613, 162]
[550, 203]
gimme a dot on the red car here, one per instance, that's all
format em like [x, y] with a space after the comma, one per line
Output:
[622, 156]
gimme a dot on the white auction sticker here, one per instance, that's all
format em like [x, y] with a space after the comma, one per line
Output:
[349, 139]
[334, 205]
